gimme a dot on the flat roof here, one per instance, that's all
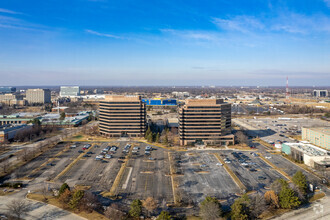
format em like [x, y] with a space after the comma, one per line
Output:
[308, 149]
[121, 98]
[324, 130]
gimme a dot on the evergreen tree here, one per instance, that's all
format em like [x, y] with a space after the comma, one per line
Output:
[147, 133]
[136, 208]
[150, 137]
[240, 208]
[77, 196]
[299, 179]
[157, 138]
[288, 199]
[164, 216]
[63, 188]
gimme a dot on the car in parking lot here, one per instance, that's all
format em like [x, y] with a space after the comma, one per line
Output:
[107, 156]
[80, 151]
[136, 148]
[261, 178]
[219, 164]
[268, 157]
[253, 170]
[147, 152]
[148, 148]
[151, 158]
[73, 146]
[89, 152]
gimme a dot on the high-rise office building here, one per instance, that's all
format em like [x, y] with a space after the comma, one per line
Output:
[205, 121]
[68, 91]
[38, 96]
[122, 116]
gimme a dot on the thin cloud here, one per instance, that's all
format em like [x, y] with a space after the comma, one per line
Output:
[3, 10]
[239, 23]
[196, 35]
[9, 22]
[103, 34]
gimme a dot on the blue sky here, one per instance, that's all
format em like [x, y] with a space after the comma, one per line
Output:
[133, 42]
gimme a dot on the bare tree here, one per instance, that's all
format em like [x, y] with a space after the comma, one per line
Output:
[89, 202]
[241, 137]
[150, 204]
[5, 165]
[17, 208]
[257, 205]
[113, 212]
[210, 210]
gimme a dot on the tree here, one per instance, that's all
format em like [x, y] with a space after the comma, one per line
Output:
[288, 199]
[17, 208]
[5, 165]
[164, 216]
[36, 122]
[272, 199]
[157, 138]
[77, 196]
[150, 137]
[113, 212]
[257, 206]
[147, 133]
[136, 208]
[62, 116]
[150, 204]
[240, 208]
[165, 140]
[210, 208]
[241, 137]
[65, 198]
[63, 188]
[299, 179]
[278, 184]
[89, 202]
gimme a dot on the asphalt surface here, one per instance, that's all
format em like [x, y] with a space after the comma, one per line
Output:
[203, 177]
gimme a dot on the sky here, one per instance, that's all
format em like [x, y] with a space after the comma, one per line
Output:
[165, 42]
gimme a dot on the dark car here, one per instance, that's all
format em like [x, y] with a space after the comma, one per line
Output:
[253, 170]
[89, 152]
[80, 151]
[261, 178]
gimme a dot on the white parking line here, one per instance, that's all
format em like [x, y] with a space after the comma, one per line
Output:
[128, 176]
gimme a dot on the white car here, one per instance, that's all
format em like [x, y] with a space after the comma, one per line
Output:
[219, 164]
[107, 156]
[227, 161]
[268, 157]
[135, 148]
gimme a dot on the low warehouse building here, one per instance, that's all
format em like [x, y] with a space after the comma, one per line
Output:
[8, 132]
[307, 153]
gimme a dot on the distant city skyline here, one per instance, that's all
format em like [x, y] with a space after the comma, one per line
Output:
[165, 43]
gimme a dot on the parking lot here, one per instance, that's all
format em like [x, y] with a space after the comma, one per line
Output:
[253, 172]
[202, 176]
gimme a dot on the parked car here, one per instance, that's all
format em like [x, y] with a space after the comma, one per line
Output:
[107, 156]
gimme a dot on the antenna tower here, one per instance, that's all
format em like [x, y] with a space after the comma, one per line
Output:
[287, 94]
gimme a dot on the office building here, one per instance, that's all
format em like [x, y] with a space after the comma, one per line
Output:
[319, 136]
[7, 89]
[205, 121]
[320, 93]
[122, 116]
[38, 96]
[68, 91]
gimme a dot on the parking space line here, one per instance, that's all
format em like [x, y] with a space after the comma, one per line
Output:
[275, 167]
[231, 173]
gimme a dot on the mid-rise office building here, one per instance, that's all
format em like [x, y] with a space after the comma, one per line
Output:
[38, 96]
[320, 93]
[205, 121]
[122, 116]
[68, 91]
[319, 136]
[7, 89]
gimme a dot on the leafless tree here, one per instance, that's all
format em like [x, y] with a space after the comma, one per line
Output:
[89, 202]
[150, 204]
[257, 205]
[113, 212]
[210, 210]
[5, 165]
[17, 208]
[241, 137]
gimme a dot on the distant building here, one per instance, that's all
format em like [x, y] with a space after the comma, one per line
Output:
[320, 93]
[309, 154]
[160, 102]
[8, 132]
[205, 120]
[7, 89]
[38, 96]
[122, 116]
[319, 136]
[18, 118]
[68, 91]
[11, 99]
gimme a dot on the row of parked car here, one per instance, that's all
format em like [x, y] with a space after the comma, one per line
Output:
[106, 153]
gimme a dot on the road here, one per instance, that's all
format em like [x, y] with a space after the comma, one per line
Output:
[319, 210]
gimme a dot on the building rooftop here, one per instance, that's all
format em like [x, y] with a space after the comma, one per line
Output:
[6, 128]
[308, 149]
[122, 98]
[324, 130]
[203, 102]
